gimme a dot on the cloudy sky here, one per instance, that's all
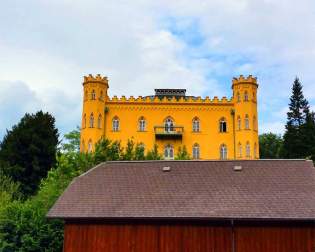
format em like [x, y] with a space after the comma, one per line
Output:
[47, 46]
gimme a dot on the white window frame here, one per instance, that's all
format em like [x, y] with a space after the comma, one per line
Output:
[196, 151]
[196, 125]
[223, 152]
[169, 152]
[142, 124]
[115, 124]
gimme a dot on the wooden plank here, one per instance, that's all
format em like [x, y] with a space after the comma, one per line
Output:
[146, 237]
[275, 238]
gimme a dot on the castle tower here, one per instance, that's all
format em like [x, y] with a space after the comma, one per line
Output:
[93, 114]
[245, 117]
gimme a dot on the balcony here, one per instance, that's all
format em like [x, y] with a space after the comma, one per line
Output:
[168, 132]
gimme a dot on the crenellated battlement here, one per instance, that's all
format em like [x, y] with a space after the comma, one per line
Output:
[241, 80]
[174, 100]
[98, 78]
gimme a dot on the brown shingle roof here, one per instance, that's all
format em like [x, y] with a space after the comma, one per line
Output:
[263, 189]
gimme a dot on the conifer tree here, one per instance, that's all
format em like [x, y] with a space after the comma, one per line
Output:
[28, 151]
[294, 145]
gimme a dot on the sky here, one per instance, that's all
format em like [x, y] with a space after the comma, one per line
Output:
[47, 46]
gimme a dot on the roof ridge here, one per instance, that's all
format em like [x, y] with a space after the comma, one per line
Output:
[204, 160]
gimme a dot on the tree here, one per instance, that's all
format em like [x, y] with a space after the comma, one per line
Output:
[129, 152]
[139, 152]
[154, 154]
[28, 151]
[72, 141]
[182, 154]
[270, 145]
[293, 144]
[308, 135]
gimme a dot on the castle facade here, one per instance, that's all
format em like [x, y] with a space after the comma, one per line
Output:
[209, 128]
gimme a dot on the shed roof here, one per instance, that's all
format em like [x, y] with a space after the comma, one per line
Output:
[262, 189]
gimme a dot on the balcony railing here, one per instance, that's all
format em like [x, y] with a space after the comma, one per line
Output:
[167, 132]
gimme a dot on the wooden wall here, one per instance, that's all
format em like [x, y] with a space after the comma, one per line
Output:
[275, 239]
[139, 237]
[146, 238]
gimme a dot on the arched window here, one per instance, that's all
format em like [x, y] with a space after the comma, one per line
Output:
[238, 97]
[255, 150]
[247, 150]
[239, 123]
[93, 95]
[90, 146]
[169, 125]
[254, 123]
[240, 150]
[84, 121]
[196, 151]
[245, 96]
[99, 121]
[222, 125]
[169, 152]
[196, 125]
[142, 123]
[91, 120]
[223, 152]
[115, 123]
[101, 95]
[246, 122]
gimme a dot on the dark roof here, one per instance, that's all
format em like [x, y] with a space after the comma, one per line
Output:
[170, 92]
[263, 189]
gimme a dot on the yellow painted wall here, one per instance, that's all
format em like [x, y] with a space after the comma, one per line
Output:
[182, 111]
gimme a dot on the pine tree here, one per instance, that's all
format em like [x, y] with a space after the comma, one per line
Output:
[28, 151]
[294, 145]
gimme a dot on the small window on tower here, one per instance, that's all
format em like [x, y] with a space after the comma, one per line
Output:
[246, 96]
[101, 95]
[246, 122]
[92, 121]
[238, 97]
[247, 150]
[90, 146]
[84, 121]
[93, 95]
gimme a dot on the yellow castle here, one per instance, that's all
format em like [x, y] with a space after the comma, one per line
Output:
[209, 128]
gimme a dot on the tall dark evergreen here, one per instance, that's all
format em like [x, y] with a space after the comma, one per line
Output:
[294, 138]
[28, 151]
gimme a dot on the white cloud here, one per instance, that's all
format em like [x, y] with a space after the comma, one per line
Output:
[49, 45]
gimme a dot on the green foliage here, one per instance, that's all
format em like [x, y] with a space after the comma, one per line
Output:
[28, 151]
[154, 154]
[270, 146]
[129, 152]
[299, 137]
[72, 143]
[23, 225]
[106, 150]
[9, 190]
[182, 154]
[139, 152]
